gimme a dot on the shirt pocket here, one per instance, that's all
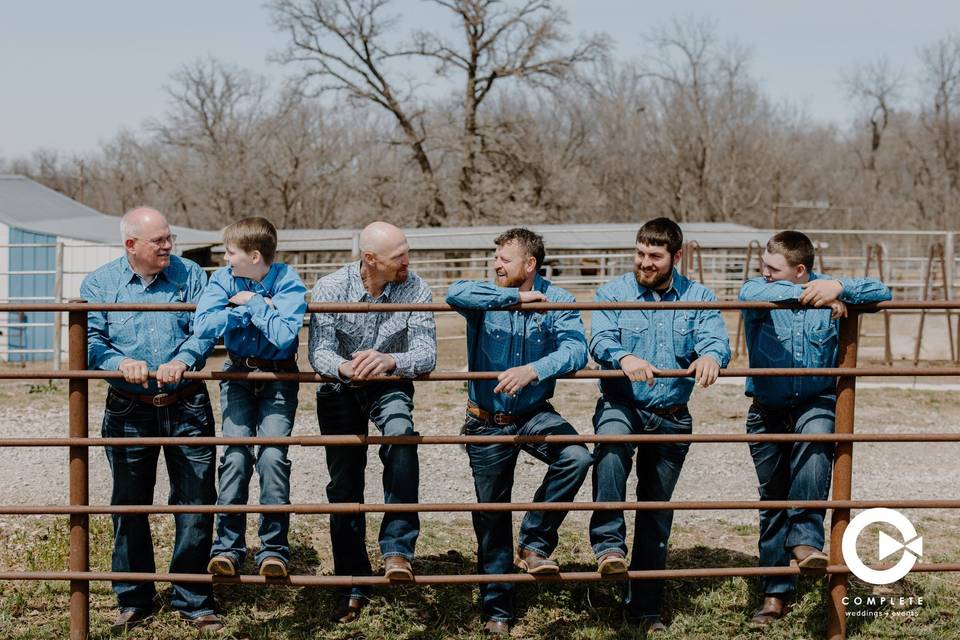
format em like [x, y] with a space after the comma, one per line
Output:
[121, 327]
[684, 335]
[823, 347]
[496, 336]
[634, 330]
[773, 346]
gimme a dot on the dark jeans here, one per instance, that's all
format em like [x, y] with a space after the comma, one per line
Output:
[255, 408]
[191, 471]
[343, 409]
[791, 471]
[658, 469]
[493, 466]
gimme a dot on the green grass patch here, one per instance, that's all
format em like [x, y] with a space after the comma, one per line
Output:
[708, 609]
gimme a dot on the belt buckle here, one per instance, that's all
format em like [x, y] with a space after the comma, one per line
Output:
[158, 399]
[502, 419]
[248, 364]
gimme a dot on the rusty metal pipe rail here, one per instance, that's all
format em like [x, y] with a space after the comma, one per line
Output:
[469, 507]
[367, 307]
[79, 575]
[365, 440]
[458, 579]
[459, 376]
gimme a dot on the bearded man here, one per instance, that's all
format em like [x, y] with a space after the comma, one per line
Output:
[530, 349]
[641, 343]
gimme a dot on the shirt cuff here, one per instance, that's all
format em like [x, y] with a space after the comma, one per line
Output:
[113, 362]
[617, 356]
[404, 366]
[543, 371]
[186, 358]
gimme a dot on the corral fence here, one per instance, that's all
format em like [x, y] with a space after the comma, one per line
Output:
[78, 442]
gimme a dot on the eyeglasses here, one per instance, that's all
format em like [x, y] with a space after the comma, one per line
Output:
[159, 242]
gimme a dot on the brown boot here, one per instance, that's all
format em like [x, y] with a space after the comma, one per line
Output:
[808, 557]
[496, 628]
[129, 618]
[348, 609]
[772, 610]
[534, 563]
[612, 563]
[397, 569]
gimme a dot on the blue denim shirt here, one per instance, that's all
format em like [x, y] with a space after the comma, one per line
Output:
[254, 329]
[155, 337]
[667, 339]
[552, 343]
[803, 337]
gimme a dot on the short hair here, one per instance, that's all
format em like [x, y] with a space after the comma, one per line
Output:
[253, 234]
[661, 232]
[795, 246]
[531, 242]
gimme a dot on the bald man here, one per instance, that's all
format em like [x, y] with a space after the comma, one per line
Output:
[355, 348]
[135, 343]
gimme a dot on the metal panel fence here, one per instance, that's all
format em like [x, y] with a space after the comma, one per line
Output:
[78, 442]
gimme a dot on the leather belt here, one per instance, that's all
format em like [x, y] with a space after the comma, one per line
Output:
[162, 399]
[667, 411]
[499, 417]
[264, 365]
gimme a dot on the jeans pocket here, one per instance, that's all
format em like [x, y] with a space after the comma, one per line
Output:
[119, 406]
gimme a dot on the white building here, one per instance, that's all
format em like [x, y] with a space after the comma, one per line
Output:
[48, 243]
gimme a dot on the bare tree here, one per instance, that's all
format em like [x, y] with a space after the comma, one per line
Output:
[875, 88]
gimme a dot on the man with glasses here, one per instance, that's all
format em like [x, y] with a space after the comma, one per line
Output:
[135, 343]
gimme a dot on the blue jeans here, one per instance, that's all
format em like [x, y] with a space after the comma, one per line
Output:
[791, 471]
[342, 409]
[134, 469]
[658, 469]
[264, 409]
[493, 466]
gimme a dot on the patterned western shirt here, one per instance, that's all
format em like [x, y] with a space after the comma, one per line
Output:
[410, 337]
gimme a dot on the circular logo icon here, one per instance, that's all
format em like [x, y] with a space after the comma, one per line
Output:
[911, 546]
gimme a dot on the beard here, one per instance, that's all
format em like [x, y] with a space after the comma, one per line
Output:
[654, 280]
[510, 282]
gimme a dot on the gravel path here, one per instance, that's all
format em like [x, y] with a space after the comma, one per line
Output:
[712, 471]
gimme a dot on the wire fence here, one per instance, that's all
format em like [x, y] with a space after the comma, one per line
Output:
[78, 443]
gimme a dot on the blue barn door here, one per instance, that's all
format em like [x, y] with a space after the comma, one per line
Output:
[31, 287]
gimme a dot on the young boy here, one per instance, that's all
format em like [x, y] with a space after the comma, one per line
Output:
[804, 336]
[257, 306]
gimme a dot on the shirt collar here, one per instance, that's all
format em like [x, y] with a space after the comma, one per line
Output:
[678, 284]
[269, 280]
[129, 274]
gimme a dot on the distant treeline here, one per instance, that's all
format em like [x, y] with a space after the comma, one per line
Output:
[534, 127]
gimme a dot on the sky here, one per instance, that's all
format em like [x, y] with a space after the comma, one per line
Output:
[73, 74]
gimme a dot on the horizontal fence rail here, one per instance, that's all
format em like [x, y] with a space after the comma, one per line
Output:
[79, 509]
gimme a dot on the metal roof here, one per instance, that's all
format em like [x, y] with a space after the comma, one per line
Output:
[30, 206]
[599, 236]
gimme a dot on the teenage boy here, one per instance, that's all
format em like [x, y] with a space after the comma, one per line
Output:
[795, 337]
[257, 305]
[640, 343]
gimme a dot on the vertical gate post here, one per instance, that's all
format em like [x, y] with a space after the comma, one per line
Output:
[842, 475]
[79, 478]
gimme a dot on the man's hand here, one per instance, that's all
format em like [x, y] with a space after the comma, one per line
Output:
[838, 309]
[241, 298]
[171, 372]
[706, 371]
[369, 363]
[532, 296]
[135, 372]
[821, 293]
[637, 369]
[346, 369]
[514, 379]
